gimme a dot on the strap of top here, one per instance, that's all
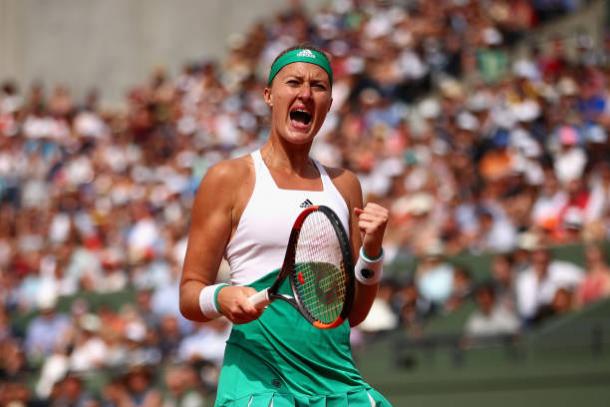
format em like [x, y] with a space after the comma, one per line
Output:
[326, 182]
[262, 174]
[257, 158]
[330, 189]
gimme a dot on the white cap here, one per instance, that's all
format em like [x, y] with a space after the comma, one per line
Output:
[451, 88]
[567, 86]
[429, 108]
[529, 241]
[135, 331]
[415, 204]
[525, 143]
[492, 36]
[526, 111]
[479, 102]
[47, 299]
[573, 218]
[503, 117]
[434, 249]
[467, 121]
[90, 322]
[525, 68]
[378, 26]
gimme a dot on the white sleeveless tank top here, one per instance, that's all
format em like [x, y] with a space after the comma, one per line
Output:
[259, 242]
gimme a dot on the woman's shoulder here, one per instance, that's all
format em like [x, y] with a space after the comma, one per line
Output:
[343, 178]
[234, 169]
[347, 184]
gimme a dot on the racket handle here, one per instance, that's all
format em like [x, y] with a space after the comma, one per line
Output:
[260, 299]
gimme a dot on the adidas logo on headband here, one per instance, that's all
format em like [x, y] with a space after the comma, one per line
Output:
[306, 53]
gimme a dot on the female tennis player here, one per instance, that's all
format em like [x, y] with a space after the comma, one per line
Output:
[244, 210]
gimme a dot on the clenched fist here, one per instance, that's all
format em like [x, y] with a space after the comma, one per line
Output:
[372, 221]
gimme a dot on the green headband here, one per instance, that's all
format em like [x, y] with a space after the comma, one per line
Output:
[309, 56]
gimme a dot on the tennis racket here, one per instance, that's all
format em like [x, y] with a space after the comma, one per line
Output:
[318, 263]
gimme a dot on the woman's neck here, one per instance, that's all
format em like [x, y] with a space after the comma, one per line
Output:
[279, 155]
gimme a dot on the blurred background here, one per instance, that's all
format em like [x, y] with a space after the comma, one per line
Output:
[481, 124]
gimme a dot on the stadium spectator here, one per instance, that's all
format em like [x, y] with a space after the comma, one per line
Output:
[461, 289]
[170, 337]
[207, 343]
[48, 330]
[490, 318]
[114, 393]
[71, 391]
[140, 387]
[6, 331]
[496, 233]
[434, 277]
[14, 393]
[182, 385]
[140, 346]
[53, 371]
[411, 308]
[561, 304]
[538, 285]
[596, 284]
[164, 300]
[503, 281]
[89, 349]
[381, 317]
[13, 363]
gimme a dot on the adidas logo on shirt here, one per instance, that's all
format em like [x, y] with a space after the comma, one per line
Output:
[306, 53]
[306, 203]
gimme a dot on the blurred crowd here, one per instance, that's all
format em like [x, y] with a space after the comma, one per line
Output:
[523, 289]
[97, 200]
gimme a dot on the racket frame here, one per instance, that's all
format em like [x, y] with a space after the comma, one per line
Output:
[288, 270]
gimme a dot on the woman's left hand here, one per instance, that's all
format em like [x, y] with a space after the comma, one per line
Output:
[372, 221]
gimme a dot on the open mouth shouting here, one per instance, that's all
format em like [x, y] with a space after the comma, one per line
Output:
[300, 118]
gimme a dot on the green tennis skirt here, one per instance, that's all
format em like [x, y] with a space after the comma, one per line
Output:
[282, 360]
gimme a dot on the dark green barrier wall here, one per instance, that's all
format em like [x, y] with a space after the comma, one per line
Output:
[566, 363]
[479, 264]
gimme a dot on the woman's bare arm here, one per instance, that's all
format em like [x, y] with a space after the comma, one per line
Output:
[367, 227]
[213, 216]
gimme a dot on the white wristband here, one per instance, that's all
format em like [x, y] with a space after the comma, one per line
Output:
[369, 271]
[208, 300]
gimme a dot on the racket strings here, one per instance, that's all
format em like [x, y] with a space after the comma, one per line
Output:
[321, 277]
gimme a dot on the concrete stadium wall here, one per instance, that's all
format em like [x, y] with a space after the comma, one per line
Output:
[113, 44]
[591, 20]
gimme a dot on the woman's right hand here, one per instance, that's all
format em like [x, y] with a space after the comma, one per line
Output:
[234, 303]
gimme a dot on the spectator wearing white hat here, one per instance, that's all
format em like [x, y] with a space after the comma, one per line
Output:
[90, 351]
[570, 159]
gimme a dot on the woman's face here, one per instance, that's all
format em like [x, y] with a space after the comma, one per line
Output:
[299, 97]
